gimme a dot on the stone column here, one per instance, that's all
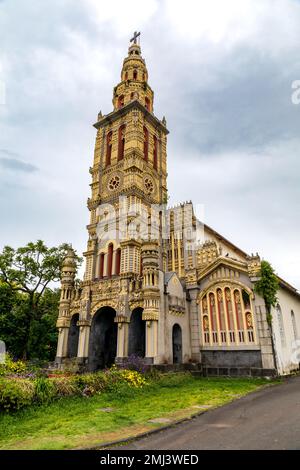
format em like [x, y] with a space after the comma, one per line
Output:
[62, 343]
[194, 325]
[191, 284]
[151, 340]
[264, 335]
[122, 339]
[83, 342]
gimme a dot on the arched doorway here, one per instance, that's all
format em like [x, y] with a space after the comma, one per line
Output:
[136, 343]
[73, 336]
[103, 339]
[177, 344]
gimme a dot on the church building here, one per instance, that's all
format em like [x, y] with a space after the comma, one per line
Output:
[158, 282]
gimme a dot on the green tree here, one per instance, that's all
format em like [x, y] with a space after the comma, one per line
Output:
[267, 286]
[12, 317]
[29, 271]
[43, 333]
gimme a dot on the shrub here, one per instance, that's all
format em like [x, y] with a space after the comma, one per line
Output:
[133, 378]
[12, 367]
[267, 286]
[15, 393]
[45, 390]
[90, 384]
[136, 363]
[64, 387]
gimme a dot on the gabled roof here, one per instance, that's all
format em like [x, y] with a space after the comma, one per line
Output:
[168, 276]
[222, 260]
[223, 239]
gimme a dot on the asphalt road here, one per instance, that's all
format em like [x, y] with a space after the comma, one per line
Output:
[267, 419]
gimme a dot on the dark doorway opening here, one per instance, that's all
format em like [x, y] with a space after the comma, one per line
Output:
[137, 334]
[73, 336]
[103, 339]
[177, 344]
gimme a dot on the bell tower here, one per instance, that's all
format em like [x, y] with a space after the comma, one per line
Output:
[130, 164]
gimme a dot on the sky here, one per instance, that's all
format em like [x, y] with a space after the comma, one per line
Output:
[222, 73]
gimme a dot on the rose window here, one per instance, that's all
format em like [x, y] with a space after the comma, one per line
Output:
[114, 183]
[149, 185]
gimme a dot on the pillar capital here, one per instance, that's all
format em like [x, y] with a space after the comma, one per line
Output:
[122, 319]
[63, 322]
[150, 316]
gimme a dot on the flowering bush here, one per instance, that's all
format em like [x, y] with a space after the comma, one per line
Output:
[17, 392]
[137, 363]
[133, 378]
[12, 367]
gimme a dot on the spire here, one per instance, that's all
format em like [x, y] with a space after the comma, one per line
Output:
[134, 78]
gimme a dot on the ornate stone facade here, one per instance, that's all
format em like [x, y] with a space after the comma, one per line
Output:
[151, 287]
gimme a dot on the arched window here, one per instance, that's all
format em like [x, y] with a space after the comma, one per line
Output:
[229, 311]
[225, 319]
[147, 103]
[110, 259]
[135, 74]
[126, 75]
[141, 267]
[239, 315]
[249, 324]
[108, 148]
[155, 152]
[146, 143]
[213, 318]
[118, 262]
[246, 299]
[221, 313]
[121, 142]
[120, 101]
[101, 266]
[280, 325]
[294, 324]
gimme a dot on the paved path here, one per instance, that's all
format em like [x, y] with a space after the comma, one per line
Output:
[267, 419]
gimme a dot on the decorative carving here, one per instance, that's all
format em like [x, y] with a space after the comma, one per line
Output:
[254, 265]
[207, 253]
[205, 323]
[114, 183]
[177, 311]
[121, 319]
[249, 321]
[150, 316]
[104, 303]
[149, 184]
[191, 276]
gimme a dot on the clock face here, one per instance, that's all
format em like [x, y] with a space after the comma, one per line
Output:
[114, 182]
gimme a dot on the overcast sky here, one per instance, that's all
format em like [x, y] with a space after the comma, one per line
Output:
[222, 72]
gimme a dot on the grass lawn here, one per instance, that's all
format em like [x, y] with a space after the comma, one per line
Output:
[80, 422]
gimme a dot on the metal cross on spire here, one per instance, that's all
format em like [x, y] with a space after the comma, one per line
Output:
[135, 36]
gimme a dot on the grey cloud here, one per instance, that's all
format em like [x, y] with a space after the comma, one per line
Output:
[228, 110]
[16, 165]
